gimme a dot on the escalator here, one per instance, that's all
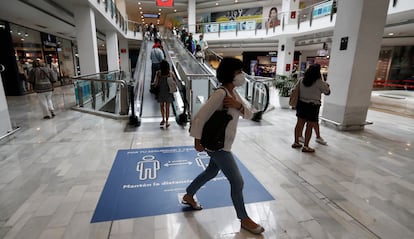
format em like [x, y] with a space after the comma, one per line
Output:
[197, 82]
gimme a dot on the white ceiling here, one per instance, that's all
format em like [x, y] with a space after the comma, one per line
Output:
[57, 17]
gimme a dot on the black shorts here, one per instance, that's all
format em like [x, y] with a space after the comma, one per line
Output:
[308, 111]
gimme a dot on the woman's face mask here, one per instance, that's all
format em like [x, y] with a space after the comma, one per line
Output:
[239, 80]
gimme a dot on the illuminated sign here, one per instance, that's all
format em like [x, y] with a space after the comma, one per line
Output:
[151, 15]
[165, 3]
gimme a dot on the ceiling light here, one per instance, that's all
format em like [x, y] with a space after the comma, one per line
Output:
[159, 9]
[175, 10]
[217, 3]
[140, 8]
[391, 34]
[139, 3]
[236, 1]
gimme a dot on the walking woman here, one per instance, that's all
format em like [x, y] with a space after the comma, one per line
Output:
[167, 84]
[307, 110]
[230, 75]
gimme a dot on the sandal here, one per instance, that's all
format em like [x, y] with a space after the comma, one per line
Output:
[167, 125]
[188, 200]
[162, 122]
[307, 149]
[296, 145]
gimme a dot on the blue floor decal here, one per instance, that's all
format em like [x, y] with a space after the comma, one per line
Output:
[151, 181]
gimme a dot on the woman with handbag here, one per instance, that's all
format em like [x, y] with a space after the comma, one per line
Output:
[166, 83]
[230, 75]
[307, 108]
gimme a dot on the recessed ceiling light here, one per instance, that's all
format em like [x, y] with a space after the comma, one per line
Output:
[175, 10]
[140, 8]
[159, 9]
[236, 1]
[217, 3]
[139, 3]
[391, 34]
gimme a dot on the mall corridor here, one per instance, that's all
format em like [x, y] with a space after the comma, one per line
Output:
[52, 173]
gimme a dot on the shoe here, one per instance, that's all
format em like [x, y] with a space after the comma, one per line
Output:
[167, 125]
[321, 141]
[307, 149]
[47, 117]
[301, 139]
[257, 229]
[296, 145]
[188, 200]
[162, 122]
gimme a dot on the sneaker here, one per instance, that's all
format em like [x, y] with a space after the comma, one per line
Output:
[301, 139]
[321, 141]
[296, 145]
[46, 117]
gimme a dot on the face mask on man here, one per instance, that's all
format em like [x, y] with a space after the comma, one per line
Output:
[239, 80]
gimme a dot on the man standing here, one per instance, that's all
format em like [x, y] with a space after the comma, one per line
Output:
[42, 79]
[157, 56]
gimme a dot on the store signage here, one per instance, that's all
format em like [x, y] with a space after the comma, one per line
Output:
[165, 3]
[151, 15]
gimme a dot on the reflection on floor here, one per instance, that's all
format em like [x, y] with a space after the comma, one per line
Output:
[361, 185]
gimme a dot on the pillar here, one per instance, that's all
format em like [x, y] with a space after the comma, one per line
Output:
[86, 40]
[290, 8]
[112, 50]
[355, 49]
[124, 56]
[285, 53]
[192, 16]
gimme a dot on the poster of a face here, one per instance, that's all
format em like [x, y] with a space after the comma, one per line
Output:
[271, 16]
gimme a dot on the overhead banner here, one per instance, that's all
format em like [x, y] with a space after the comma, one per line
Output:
[165, 3]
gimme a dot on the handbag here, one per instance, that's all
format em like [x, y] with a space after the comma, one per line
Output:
[172, 85]
[294, 95]
[214, 130]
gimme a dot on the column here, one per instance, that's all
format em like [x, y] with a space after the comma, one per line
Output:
[112, 50]
[285, 53]
[86, 40]
[290, 8]
[124, 56]
[192, 16]
[355, 48]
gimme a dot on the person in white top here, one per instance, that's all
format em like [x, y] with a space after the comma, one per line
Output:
[307, 110]
[230, 75]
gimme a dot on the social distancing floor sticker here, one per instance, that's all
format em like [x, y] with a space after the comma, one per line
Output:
[152, 181]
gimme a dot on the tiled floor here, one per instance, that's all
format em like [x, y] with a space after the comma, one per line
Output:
[361, 185]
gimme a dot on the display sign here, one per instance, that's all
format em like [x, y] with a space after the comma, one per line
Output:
[322, 9]
[151, 15]
[152, 181]
[165, 3]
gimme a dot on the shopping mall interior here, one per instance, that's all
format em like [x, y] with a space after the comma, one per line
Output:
[84, 173]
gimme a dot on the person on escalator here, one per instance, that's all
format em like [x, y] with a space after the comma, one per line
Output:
[157, 56]
[166, 82]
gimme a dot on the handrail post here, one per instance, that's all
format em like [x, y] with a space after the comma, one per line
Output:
[133, 119]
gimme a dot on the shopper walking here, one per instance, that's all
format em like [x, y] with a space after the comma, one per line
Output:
[42, 79]
[166, 82]
[230, 75]
[307, 109]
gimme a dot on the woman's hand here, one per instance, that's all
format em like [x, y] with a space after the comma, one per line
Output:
[198, 146]
[230, 102]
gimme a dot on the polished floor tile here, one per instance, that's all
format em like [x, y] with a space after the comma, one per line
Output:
[360, 185]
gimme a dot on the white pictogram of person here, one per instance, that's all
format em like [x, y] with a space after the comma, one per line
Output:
[148, 167]
[202, 160]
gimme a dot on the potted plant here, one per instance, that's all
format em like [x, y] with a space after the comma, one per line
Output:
[284, 83]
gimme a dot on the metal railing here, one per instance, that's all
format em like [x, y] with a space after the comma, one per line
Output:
[103, 93]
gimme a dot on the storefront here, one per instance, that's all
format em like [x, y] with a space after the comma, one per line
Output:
[29, 45]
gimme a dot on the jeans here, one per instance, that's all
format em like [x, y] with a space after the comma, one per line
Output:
[224, 161]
